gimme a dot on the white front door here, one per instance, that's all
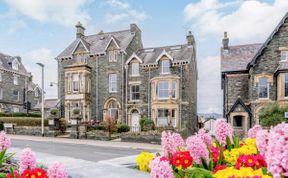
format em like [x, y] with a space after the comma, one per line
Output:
[135, 122]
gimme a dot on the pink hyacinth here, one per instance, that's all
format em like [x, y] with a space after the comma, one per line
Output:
[27, 160]
[262, 141]
[276, 155]
[253, 131]
[205, 137]
[5, 141]
[160, 168]
[57, 170]
[222, 130]
[197, 149]
[171, 143]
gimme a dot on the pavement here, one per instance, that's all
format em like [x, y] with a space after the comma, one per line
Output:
[86, 158]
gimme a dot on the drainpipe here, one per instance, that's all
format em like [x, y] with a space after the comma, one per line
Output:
[97, 81]
[180, 105]
[122, 78]
[126, 98]
[149, 100]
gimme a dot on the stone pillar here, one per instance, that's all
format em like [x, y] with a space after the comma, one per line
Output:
[74, 127]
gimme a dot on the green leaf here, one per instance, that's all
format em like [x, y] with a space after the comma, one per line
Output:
[12, 172]
[205, 166]
[199, 172]
[211, 165]
[3, 175]
[220, 156]
[2, 154]
[228, 142]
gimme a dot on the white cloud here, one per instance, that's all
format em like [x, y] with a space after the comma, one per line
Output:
[209, 85]
[123, 12]
[45, 57]
[252, 20]
[65, 12]
[16, 25]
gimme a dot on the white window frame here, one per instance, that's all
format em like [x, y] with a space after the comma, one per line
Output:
[135, 69]
[75, 83]
[284, 55]
[173, 89]
[165, 66]
[18, 97]
[174, 118]
[112, 55]
[267, 88]
[112, 83]
[133, 92]
[15, 64]
[162, 118]
[159, 89]
[16, 80]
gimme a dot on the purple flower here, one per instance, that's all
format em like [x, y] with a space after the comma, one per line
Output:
[160, 168]
[197, 149]
[27, 160]
[171, 143]
[5, 141]
[57, 170]
[222, 130]
[253, 131]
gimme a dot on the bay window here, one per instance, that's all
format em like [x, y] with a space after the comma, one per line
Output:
[173, 92]
[163, 90]
[162, 117]
[75, 82]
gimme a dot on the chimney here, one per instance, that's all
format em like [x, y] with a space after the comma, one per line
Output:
[134, 28]
[79, 30]
[190, 38]
[225, 41]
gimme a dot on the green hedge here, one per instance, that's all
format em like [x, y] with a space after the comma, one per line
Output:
[24, 121]
[20, 114]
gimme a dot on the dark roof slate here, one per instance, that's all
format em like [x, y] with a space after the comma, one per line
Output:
[177, 52]
[6, 63]
[98, 42]
[237, 57]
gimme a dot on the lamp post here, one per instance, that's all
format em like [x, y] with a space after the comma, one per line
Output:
[42, 104]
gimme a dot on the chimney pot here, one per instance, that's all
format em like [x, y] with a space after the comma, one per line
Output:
[190, 38]
[80, 30]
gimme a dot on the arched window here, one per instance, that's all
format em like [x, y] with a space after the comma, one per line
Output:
[263, 88]
[113, 109]
[165, 67]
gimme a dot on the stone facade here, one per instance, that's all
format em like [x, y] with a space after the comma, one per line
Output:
[16, 85]
[128, 82]
[254, 75]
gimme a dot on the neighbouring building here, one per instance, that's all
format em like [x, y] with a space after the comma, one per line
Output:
[16, 85]
[254, 75]
[111, 74]
[51, 103]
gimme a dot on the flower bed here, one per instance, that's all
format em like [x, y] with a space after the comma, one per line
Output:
[26, 167]
[264, 154]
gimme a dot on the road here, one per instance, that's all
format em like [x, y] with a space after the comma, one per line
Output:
[91, 153]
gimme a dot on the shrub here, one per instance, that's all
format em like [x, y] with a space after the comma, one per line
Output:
[24, 121]
[76, 111]
[141, 122]
[1, 125]
[110, 125]
[63, 125]
[122, 128]
[20, 114]
[54, 112]
[100, 126]
[148, 125]
[272, 114]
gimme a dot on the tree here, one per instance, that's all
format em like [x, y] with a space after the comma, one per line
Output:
[110, 125]
[272, 114]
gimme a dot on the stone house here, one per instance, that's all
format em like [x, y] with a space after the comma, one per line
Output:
[254, 75]
[16, 85]
[111, 74]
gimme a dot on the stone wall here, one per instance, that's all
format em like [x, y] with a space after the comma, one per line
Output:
[27, 130]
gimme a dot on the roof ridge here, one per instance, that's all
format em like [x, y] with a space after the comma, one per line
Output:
[242, 45]
[107, 33]
[162, 47]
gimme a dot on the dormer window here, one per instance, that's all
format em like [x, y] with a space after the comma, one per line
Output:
[15, 64]
[112, 55]
[165, 67]
[284, 55]
[81, 58]
[135, 69]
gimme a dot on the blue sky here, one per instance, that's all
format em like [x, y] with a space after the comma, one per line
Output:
[38, 30]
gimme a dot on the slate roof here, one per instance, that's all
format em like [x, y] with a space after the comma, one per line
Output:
[177, 52]
[48, 104]
[6, 63]
[236, 58]
[98, 42]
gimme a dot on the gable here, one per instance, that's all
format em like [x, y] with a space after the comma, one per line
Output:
[269, 53]
[80, 48]
[239, 106]
[112, 44]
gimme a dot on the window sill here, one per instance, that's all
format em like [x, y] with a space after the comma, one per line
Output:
[165, 73]
[134, 75]
[134, 101]
[112, 91]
